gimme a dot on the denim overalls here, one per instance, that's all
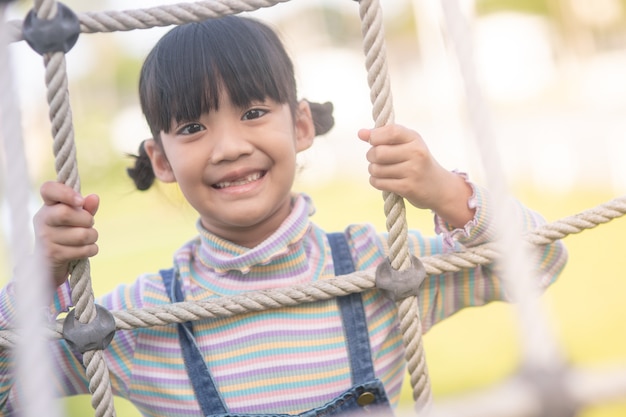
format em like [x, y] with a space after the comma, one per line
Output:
[367, 394]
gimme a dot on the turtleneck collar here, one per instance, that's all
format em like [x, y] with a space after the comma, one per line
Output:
[223, 256]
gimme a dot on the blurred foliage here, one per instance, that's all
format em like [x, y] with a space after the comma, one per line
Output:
[540, 7]
[126, 77]
[340, 28]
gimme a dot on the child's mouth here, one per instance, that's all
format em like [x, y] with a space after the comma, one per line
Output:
[241, 181]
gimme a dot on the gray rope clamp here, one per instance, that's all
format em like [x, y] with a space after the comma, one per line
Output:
[397, 285]
[95, 335]
[58, 34]
[550, 388]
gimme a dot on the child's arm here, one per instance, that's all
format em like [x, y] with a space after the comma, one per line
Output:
[400, 162]
[64, 231]
[445, 294]
[69, 376]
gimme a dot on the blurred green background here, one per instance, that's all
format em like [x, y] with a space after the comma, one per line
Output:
[553, 76]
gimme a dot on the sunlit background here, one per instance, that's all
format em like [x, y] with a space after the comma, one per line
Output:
[554, 75]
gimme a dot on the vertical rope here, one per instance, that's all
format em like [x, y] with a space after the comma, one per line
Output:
[382, 112]
[64, 149]
[541, 351]
[31, 282]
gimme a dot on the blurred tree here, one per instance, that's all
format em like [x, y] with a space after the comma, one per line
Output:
[583, 26]
[540, 7]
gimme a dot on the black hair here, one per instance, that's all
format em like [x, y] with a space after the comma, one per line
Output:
[182, 76]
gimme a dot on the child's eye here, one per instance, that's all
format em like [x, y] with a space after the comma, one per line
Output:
[253, 114]
[190, 129]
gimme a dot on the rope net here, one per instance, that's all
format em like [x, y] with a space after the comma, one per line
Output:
[521, 395]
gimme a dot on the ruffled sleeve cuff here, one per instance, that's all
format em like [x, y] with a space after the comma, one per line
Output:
[476, 231]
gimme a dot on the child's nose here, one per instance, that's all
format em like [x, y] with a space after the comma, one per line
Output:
[229, 145]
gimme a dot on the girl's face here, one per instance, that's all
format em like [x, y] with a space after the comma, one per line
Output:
[236, 166]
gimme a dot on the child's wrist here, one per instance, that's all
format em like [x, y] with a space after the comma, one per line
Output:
[455, 208]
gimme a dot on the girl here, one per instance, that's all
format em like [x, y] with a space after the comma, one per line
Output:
[221, 102]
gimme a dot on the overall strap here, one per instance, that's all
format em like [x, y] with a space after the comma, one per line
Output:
[208, 396]
[352, 315]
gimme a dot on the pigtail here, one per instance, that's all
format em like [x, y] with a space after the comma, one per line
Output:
[323, 119]
[142, 173]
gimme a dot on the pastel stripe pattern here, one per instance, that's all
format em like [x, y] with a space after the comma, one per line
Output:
[280, 361]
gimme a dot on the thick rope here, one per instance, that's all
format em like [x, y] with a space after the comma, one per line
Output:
[395, 212]
[30, 280]
[515, 397]
[166, 15]
[543, 362]
[64, 149]
[347, 284]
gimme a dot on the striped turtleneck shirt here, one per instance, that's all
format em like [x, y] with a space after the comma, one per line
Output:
[284, 360]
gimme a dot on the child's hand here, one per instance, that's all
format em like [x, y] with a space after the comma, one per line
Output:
[64, 227]
[401, 163]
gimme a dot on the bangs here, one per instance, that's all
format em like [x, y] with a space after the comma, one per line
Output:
[184, 74]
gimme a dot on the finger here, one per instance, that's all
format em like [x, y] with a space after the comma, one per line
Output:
[392, 185]
[392, 135]
[390, 171]
[75, 236]
[53, 192]
[61, 215]
[62, 254]
[364, 134]
[92, 202]
[396, 154]
[384, 155]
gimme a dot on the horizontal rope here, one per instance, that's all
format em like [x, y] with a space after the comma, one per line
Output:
[519, 397]
[356, 282]
[166, 15]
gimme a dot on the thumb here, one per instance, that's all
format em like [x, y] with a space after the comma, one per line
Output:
[91, 204]
[364, 134]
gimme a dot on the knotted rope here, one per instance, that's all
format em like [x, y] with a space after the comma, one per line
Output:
[165, 15]
[347, 284]
[64, 149]
[380, 94]
[378, 79]
[543, 366]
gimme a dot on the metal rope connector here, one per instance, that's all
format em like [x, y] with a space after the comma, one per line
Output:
[58, 34]
[396, 284]
[95, 335]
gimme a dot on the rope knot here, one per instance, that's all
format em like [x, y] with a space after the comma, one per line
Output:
[95, 335]
[396, 284]
[58, 34]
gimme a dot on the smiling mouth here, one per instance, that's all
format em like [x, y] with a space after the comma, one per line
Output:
[242, 181]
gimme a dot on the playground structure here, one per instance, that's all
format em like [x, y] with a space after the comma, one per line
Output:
[545, 387]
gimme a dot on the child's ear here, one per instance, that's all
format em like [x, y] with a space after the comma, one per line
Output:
[160, 164]
[305, 129]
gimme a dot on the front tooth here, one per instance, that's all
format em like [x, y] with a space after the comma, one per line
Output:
[249, 178]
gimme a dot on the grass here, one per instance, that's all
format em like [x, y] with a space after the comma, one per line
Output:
[473, 349]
